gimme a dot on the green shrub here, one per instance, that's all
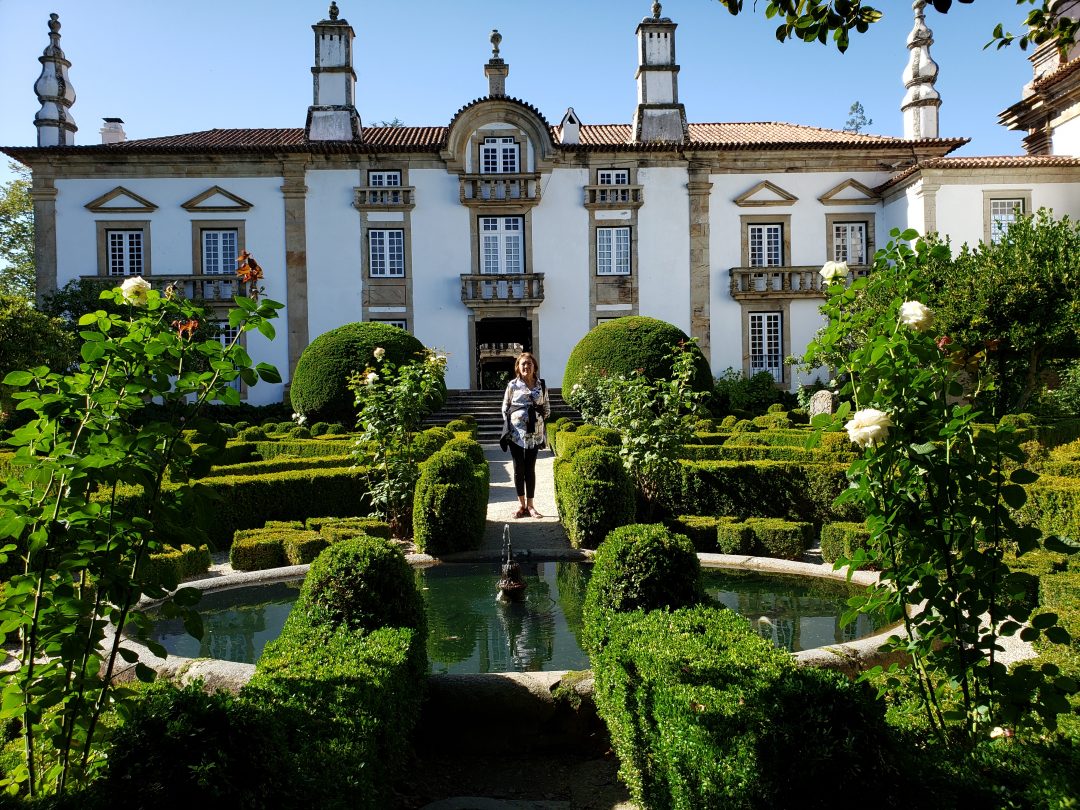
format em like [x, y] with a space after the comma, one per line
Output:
[608, 436]
[319, 428]
[298, 432]
[363, 584]
[571, 443]
[700, 529]
[461, 426]
[430, 441]
[366, 525]
[301, 547]
[238, 426]
[257, 550]
[773, 420]
[175, 565]
[704, 713]
[594, 495]
[251, 434]
[842, 539]
[786, 539]
[324, 448]
[471, 448]
[733, 537]
[622, 346]
[185, 747]
[283, 464]
[450, 504]
[639, 567]
[335, 429]
[319, 389]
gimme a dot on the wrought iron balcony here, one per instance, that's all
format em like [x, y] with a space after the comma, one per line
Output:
[614, 196]
[484, 290]
[757, 283]
[384, 198]
[499, 189]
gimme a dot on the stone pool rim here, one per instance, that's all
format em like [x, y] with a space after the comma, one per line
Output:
[851, 658]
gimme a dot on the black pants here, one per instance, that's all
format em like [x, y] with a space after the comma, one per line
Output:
[524, 469]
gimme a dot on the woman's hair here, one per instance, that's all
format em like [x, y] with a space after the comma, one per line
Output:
[535, 365]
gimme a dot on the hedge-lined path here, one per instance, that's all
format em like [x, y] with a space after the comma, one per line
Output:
[526, 534]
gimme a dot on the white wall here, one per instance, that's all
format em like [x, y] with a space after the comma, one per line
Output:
[1067, 138]
[171, 241]
[664, 246]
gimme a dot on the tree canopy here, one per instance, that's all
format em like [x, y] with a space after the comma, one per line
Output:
[821, 20]
[17, 235]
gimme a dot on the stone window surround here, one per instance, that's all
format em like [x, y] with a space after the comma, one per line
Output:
[387, 226]
[388, 290]
[597, 281]
[526, 236]
[200, 225]
[103, 226]
[612, 224]
[476, 143]
[746, 220]
[866, 219]
[1023, 194]
[783, 306]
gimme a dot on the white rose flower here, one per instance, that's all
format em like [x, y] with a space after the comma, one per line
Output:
[868, 427]
[834, 271]
[371, 377]
[134, 290]
[916, 315]
[380, 352]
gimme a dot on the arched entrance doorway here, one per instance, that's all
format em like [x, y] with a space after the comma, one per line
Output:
[498, 343]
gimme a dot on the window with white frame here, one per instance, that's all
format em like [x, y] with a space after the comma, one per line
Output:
[125, 252]
[501, 245]
[219, 251]
[766, 245]
[1004, 213]
[386, 253]
[766, 344]
[613, 251]
[612, 177]
[400, 323]
[383, 179]
[849, 242]
[226, 335]
[499, 156]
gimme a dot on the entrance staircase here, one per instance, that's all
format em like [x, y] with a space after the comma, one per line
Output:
[486, 408]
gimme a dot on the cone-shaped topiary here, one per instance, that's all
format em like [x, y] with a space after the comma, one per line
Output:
[319, 385]
[622, 346]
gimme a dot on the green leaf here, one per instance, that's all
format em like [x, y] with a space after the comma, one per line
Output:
[145, 673]
[1060, 545]
[924, 449]
[1044, 620]
[1022, 475]
[187, 597]
[1014, 495]
[268, 373]
[92, 351]
[266, 329]
[18, 378]
[1058, 635]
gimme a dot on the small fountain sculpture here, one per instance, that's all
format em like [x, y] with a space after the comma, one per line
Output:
[512, 584]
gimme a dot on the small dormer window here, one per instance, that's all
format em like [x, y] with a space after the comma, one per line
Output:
[499, 155]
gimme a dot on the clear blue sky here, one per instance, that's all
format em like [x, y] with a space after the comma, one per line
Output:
[173, 67]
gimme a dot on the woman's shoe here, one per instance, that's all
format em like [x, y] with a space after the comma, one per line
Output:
[521, 512]
[534, 513]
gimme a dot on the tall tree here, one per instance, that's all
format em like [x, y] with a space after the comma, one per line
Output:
[17, 235]
[857, 120]
[820, 20]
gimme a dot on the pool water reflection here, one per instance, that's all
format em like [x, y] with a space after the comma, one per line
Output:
[469, 631]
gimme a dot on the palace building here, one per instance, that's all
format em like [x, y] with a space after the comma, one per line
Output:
[499, 229]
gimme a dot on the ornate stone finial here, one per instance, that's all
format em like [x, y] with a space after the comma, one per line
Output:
[656, 9]
[54, 123]
[496, 38]
[54, 23]
[922, 101]
[333, 10]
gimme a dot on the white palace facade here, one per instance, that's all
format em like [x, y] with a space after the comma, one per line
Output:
[500, 228]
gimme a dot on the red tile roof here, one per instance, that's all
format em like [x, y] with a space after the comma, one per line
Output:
[594, 137]
[1056, 75]
[987, 162]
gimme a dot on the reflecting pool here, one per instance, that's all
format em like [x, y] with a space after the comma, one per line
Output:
[470, 631]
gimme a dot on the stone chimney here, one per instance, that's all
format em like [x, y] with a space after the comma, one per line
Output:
[921, 101]
[333, 115]
[113, 131]
[55, 126]
[659, 115]
[496, 69]
[570, 127]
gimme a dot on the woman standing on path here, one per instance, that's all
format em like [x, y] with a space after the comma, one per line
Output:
[525, 407]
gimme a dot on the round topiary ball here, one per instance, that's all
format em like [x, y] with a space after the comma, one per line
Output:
[365, 583]
[320, 388]
[639, 567]
[622, 346]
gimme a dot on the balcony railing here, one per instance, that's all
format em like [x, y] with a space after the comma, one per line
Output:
[384, 198]
[209, 288]
[500, 189]
[479, 291]
[491, 351]
[749, 283]
[614, 196]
